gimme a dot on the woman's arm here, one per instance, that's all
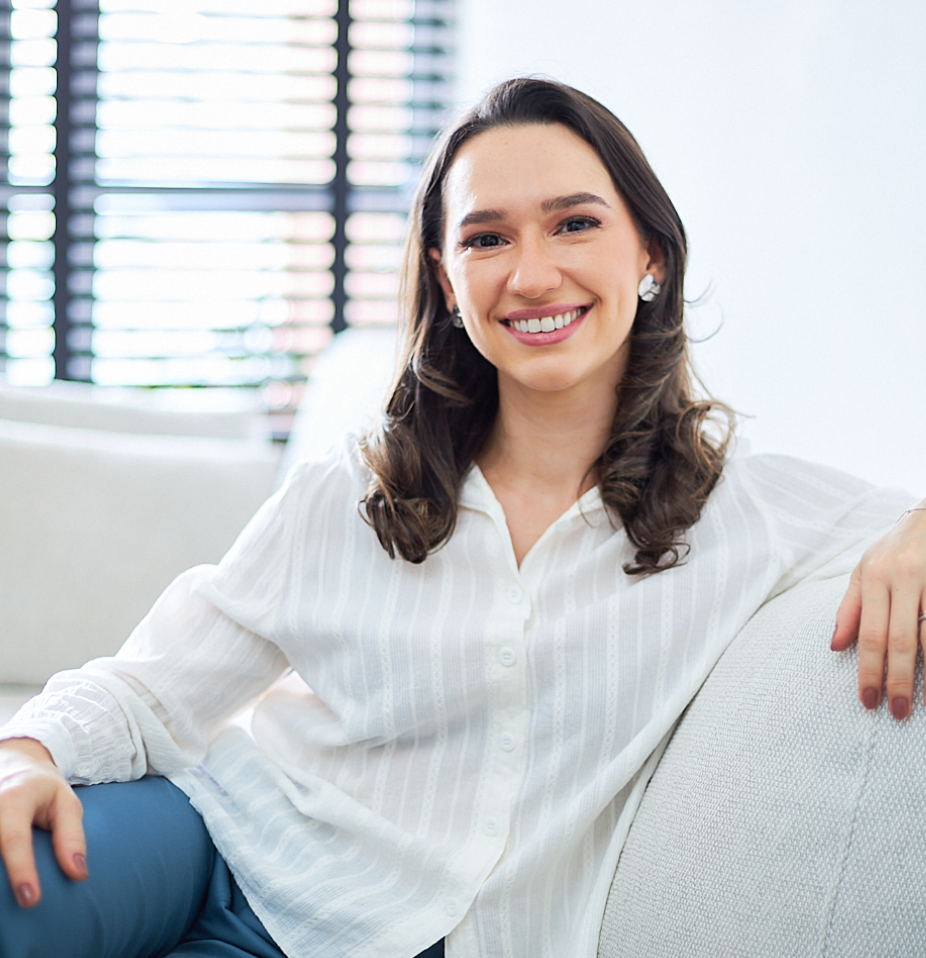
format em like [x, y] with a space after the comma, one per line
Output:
[881, 609]
[205, 649]
[153, 707]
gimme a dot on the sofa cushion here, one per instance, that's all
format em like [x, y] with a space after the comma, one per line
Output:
[783, 819]
[94, 525]
[364, 360]
[183, 412]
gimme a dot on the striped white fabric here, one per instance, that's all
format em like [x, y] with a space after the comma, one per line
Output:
[470, 758]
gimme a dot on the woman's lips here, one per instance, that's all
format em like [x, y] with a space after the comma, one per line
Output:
[545, 327]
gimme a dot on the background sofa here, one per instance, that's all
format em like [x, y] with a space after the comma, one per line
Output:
[782, 819]
[107, 495]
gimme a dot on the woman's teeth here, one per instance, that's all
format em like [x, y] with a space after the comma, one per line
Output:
[546, 324]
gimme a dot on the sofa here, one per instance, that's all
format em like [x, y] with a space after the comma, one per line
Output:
[782, 819]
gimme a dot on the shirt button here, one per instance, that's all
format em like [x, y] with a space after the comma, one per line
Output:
[490, 826]
[452, 906]
[515, 594]
[507, 656]
[506, 742]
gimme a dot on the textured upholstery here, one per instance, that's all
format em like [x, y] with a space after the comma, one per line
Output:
[783, 819]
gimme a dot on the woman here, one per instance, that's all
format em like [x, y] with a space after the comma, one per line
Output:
[551, 554]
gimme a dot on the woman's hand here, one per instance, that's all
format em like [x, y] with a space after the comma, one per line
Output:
[886, 596]
[33, 792]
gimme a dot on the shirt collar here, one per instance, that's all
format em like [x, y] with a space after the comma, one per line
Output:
[477, 494]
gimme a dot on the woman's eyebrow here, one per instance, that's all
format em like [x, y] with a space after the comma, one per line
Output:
[573, 199]
[482, 216]
[547, 206]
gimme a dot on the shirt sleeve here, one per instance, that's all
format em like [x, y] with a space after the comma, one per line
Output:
[821, 519]
[202, 653]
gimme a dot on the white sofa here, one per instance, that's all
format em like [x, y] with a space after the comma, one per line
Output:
[783, 819]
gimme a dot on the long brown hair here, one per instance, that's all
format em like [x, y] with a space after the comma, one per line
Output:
[660, 462]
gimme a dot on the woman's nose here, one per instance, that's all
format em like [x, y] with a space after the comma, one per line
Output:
[534, 271]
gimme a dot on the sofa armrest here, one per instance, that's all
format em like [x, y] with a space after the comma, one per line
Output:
[783, 819]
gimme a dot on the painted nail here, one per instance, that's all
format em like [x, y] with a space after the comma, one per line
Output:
[870, 698]
[900, 707]
[80, 863]
[25, 895]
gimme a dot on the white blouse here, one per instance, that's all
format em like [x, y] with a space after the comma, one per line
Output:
[478, 735]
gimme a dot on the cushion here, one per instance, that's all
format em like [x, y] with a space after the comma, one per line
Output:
[175, 412]
[94, 525]
[363, 358]
[783, 819]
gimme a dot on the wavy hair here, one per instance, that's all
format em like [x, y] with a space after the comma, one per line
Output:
[662, 458]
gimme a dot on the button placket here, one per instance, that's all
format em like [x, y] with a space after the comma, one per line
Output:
[510, 721]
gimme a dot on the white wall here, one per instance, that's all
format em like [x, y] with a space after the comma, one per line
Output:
[792, 138]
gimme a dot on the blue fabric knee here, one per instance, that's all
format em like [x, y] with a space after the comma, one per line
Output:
[157, 887]
[150, 860]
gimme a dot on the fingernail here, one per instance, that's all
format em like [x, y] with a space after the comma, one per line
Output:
[870, 698]
[25, 895]
[900, 707]
[80, 863]
[833, 639]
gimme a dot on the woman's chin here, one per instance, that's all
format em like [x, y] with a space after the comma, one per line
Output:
[559, 384]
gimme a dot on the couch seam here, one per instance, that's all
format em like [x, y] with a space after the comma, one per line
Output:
[830, 907]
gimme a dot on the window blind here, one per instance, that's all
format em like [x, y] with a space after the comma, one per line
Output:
[202, 192]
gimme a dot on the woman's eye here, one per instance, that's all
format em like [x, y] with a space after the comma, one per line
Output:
[483, 241]
[577, 224]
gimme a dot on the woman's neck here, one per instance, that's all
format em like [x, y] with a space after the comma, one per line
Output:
[539, 455]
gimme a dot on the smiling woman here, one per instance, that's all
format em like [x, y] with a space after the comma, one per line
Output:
[450, 747]
[538, 218]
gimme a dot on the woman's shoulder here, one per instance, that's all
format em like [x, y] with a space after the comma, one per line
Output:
[317, 501]
[789, 473]
[799, 486]
[339, 472]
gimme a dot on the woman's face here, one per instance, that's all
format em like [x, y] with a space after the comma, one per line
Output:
[542, 258]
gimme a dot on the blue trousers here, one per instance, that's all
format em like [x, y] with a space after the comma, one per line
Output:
[157, 887]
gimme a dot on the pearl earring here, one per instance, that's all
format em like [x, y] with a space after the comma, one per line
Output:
[456, 318]
[648, 289]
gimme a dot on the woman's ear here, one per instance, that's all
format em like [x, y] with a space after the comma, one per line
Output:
[657, 261]
[443, 279]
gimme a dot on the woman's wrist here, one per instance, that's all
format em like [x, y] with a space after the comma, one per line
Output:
[30, 747]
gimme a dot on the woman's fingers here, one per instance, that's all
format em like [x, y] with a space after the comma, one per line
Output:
[17, 812]
[901, 653]
[67, 833]
[872, 640]
[16, 848]
[849, 614]
[33, 792]
[886, 595]
[921, 636]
